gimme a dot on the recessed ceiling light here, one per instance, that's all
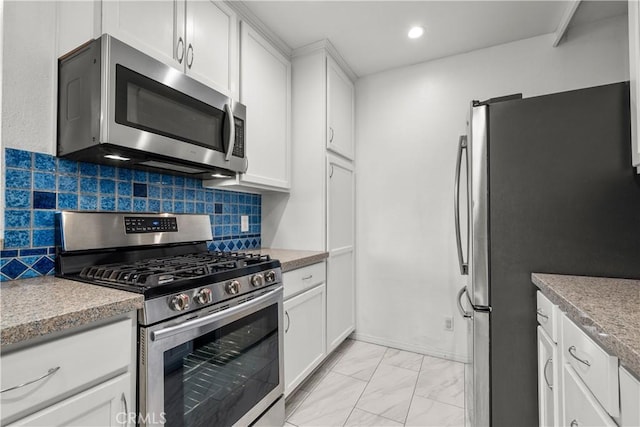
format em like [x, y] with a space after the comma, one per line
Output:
[117, 157]
[415, 32]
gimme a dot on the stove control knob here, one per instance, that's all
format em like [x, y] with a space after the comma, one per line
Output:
[257, 280]
[233, 288]
[204, 296]
[270, 276]
[179, 302]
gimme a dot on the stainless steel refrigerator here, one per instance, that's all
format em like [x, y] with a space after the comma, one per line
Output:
[549, 188]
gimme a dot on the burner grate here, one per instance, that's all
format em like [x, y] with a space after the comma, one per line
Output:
[159, 271]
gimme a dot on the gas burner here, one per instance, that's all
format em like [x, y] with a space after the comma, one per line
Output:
[160, 271]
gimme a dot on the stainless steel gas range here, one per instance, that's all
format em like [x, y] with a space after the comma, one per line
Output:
[210, 334]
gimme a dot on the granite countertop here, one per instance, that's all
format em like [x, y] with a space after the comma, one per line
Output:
[34, 307]
[608, 309]
[292, 259]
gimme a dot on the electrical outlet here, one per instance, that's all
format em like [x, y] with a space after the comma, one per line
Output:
[244, 223]
[448, 323]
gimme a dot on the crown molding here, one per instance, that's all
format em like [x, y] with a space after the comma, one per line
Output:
[245, 14]
[326, 46]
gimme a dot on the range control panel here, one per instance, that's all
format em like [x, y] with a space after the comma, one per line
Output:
[139, 224]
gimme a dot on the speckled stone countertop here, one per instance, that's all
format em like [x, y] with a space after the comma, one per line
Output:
[292, 259]
[608, 309]
[34, 307]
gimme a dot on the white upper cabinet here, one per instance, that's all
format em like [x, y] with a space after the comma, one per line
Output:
[340, 105]
[212, 45]
[634, 74]
[150, 26]
[265, 89]
[196, 37]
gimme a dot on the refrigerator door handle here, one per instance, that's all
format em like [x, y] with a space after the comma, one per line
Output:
[462, 146]
[478, 308]
[463, 312]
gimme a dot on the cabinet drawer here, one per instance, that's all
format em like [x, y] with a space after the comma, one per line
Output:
[629, 399]
[592, 364]
[580, 407]
[82, 359]
[296, 281]
[547, 316]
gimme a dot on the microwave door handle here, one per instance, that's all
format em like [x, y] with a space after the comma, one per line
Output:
[462, 146]
[232, 130]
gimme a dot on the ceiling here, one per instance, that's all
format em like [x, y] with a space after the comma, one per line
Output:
[372, 35]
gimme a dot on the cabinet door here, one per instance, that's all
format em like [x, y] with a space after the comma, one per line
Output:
[212, 45]
[265, 88]
[634, 75]
[154, 27]
[340, 205]
[108, 404]
[340, 98]
[304, 338]
[340, 298]
[340, 245]
[629, 399]
[77, 23]
[580, 406]
[547, 380]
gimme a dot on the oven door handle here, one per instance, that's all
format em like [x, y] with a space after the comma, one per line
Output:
[203, 321]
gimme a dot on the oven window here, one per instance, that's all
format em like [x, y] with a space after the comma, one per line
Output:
[218, 377]
[145, 104]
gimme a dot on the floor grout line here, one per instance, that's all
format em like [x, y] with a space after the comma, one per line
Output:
[365, 387]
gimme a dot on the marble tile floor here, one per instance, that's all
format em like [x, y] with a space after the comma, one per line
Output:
[364, 384]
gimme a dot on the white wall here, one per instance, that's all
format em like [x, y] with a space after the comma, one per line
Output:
[407, 125]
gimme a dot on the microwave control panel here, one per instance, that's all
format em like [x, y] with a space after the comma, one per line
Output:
[238, 148]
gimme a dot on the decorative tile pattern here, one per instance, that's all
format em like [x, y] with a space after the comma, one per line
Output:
[39, 184]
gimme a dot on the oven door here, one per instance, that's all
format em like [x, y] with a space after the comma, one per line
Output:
[221, 368]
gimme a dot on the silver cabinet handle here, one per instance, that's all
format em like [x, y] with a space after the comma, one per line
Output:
[307, 277]
[542, 315]
[574, 423]
[462, 146]
[189, 49]
[180, 49]
[464, 313]
[126, 409]
[572, 351]
[544, 373]
[48, 374]
[331, 172]
[231, 122]
[286, 313]
[331, 132]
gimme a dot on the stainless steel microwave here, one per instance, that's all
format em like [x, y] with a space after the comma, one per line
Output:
[119, 106]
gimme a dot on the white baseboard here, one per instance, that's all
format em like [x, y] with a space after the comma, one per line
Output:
[411, 347]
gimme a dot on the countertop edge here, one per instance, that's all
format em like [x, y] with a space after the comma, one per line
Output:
[63, 322]
[293, 259]
[629, 357]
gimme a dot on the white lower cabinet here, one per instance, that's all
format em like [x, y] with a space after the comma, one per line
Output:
[629, 399]
[304, 338]
[580, 406]
[108, 404]
[81, 378]
[547, 380]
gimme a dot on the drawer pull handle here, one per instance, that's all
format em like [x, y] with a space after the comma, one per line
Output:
[307, 277]
[572, 350]
[286, 313]
[542, 315]
[48, 374]
[574, 423]
[544, 373]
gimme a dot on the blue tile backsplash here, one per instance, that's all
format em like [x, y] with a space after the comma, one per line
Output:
[38, 184]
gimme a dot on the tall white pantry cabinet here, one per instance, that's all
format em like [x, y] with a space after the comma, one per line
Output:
[318, 213]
